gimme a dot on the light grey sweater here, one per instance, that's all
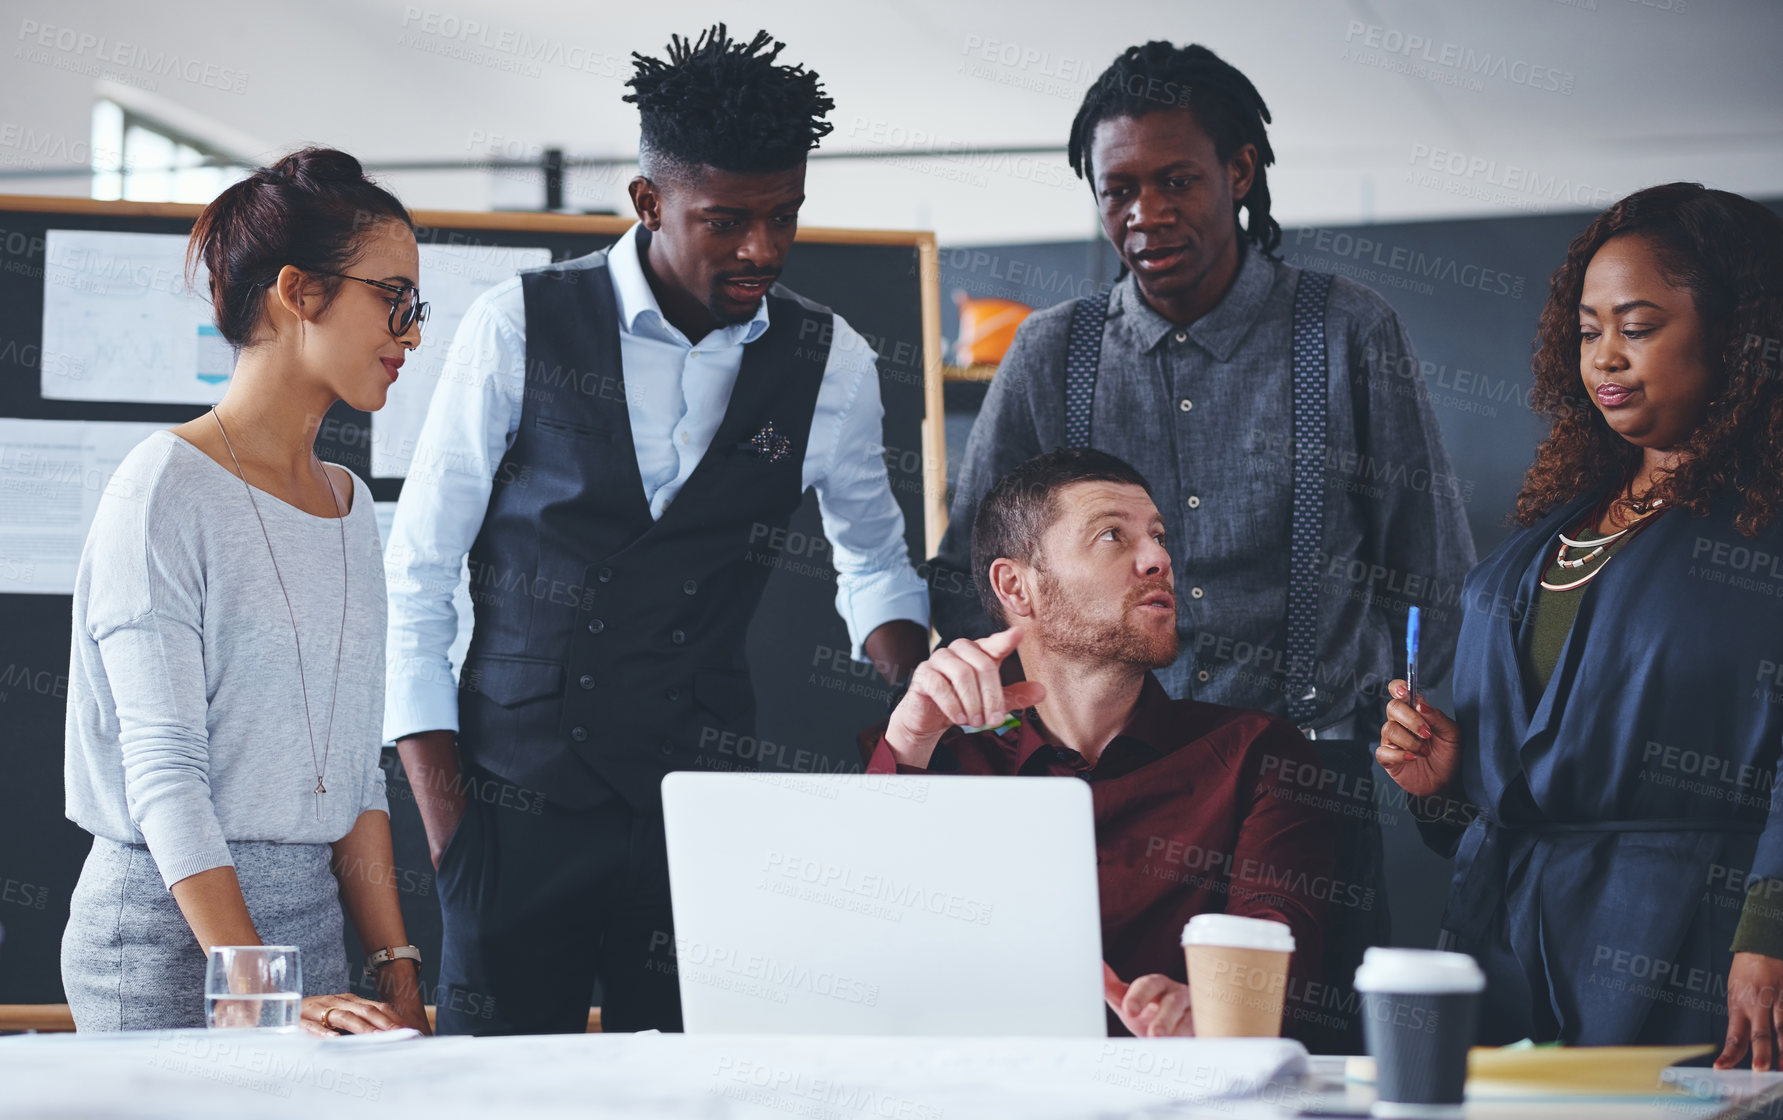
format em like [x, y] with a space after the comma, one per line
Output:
[185, 714]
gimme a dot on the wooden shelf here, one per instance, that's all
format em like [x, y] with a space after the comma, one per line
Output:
[981, 372]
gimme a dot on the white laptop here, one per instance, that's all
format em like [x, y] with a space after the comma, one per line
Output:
[892, 905]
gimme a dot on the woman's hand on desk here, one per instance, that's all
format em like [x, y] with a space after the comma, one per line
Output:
[346, 1013]
[1420, 750]
[1753, 984]
[1153, 1006]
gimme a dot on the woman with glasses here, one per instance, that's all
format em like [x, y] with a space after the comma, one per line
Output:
[227, 679]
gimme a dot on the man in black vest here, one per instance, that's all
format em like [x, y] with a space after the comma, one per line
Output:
[612, 440]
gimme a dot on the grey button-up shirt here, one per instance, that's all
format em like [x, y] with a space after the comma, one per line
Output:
[1204, 411]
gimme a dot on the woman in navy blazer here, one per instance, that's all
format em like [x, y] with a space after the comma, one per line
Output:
[1605, 785]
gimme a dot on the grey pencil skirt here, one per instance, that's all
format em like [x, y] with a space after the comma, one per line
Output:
[130, 962]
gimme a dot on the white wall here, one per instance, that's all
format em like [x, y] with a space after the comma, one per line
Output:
[1653, 90]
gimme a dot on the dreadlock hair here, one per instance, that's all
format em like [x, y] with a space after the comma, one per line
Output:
[721, 103]
[1161, 75]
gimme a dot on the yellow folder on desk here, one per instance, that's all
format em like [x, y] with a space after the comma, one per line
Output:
[1596, 1070]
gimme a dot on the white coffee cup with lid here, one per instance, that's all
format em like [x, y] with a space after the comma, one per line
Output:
[1430, 971]
[1238, 932]
[1238, 974]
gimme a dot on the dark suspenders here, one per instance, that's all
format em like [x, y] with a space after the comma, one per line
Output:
[1083, 361]
[1311, 378]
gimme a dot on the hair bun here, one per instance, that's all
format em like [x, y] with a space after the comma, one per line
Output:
[312, 166]
[309, 210]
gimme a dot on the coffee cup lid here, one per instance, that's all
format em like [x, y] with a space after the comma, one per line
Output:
[1237, 932]
[1418, 970]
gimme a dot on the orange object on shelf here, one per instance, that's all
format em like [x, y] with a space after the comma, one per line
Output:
[987, 327]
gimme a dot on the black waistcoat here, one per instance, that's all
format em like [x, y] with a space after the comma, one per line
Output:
[608, 647]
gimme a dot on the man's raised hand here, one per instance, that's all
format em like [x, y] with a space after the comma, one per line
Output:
[960, 684]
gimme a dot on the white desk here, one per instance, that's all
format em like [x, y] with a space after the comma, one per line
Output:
[196, 1074]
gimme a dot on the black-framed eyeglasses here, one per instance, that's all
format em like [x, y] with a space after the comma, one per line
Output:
[406, 310]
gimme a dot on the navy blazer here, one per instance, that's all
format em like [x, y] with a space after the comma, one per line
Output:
[1625, 804]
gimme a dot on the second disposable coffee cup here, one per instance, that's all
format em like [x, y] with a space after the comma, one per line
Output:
[1420, 1008]
[1238, 974]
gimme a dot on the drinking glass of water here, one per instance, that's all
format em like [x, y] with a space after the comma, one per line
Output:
[253, 986]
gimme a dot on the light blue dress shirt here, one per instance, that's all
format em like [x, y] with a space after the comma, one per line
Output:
[676, 394]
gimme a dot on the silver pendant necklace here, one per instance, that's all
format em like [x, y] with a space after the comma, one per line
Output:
[1596, 545]
[321, 764]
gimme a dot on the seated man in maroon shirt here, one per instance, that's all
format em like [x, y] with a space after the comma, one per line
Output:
[1195, 806]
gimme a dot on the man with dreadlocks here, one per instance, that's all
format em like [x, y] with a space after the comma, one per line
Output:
[609, 437]
[1281, 419]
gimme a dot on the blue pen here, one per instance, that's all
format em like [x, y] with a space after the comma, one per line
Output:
[1411, 658]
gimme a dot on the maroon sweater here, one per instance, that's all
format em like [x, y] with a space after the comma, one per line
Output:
[1199, 808]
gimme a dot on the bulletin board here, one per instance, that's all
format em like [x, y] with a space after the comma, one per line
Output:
[72, 403]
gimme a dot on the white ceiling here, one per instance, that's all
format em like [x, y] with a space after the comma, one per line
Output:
[1659, 90]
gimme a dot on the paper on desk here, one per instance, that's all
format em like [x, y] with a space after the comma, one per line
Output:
[196, 1074]
[396, 1034]
[1718, 1084]
[1597, 1070]
[778, 1075]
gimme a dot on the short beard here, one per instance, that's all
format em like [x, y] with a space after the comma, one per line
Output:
[715, 302]
[1067, 625]
[725, 316]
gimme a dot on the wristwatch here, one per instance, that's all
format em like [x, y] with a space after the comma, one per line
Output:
[384, 956]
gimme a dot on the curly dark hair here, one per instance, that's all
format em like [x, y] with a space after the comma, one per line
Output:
[1728, 251]
[1161, 75]
[721, 103]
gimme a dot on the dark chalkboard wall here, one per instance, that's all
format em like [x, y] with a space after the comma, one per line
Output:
[812, 699]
